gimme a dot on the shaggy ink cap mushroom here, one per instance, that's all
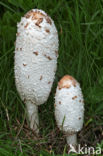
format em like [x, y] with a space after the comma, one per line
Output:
[69, 108]
[36, 53]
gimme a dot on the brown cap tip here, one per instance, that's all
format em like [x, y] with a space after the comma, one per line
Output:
[66, 82]
[38, 15]
[35, 14]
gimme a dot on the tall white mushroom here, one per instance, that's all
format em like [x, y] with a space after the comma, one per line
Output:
[36, 53]
[69, 108]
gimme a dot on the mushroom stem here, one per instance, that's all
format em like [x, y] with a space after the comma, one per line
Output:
[72, 139]
[32, 111]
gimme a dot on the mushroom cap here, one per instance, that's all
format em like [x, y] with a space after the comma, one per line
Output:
[69, 105]
[36, 53]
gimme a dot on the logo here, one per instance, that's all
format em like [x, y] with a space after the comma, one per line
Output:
[84, 150]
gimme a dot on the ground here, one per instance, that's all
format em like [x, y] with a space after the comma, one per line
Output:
[80, 28]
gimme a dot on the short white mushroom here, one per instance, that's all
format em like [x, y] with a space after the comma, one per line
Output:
[69, 108]
[36, 53]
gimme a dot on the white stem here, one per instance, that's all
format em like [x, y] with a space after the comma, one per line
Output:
[72, 139]
[32, 111]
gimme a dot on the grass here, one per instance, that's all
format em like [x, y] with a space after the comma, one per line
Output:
[80, 28]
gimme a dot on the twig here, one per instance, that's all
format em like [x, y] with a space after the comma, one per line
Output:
[20, 146]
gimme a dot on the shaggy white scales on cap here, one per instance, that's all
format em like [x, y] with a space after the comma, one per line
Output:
[36, 54]
[69, 108]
